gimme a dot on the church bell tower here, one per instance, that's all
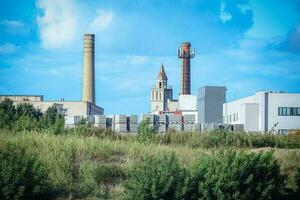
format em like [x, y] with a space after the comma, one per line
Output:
[160, 93]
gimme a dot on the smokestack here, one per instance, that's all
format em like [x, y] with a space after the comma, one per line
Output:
[88, 80]
[185, 53]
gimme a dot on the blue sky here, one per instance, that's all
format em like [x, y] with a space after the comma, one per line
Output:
[244, 45]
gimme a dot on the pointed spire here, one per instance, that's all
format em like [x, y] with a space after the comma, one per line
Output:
[162, 74]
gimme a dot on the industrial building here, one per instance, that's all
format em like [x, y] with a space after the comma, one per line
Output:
[265, 111]
[71, 108]
[210, 104]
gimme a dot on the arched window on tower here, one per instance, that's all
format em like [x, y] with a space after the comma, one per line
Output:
[159, 84]
[156, 96]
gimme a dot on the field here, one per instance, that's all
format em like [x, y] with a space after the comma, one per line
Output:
[94, 164]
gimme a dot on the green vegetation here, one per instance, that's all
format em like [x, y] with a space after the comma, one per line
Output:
[39, 159]
[159, 177]
[22, 176]
[26, 117]
[103, 165]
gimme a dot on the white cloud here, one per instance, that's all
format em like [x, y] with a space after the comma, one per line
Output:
[8, 48]
[13, 23]
[58, 24]
[138, 60]
[14, 27]
[102, 21]
[224, 16]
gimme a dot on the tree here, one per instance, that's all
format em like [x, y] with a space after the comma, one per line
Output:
[26, 109]
[49, 118]
[7, 113]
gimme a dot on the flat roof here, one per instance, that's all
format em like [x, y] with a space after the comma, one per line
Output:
[20, 95]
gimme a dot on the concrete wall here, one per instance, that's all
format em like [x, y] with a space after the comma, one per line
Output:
[259, 112]
[210, 104]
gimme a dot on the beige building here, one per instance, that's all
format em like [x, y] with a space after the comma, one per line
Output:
[68, 108]
[22, 98]
[161, 93]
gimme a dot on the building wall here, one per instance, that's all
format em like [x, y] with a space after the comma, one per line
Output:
[22, 98]
[159, 99]
[188, 105]
[173, 105]
[259, 112]
[210, 104]
[250, 119]
[69, 108]
[277, 100]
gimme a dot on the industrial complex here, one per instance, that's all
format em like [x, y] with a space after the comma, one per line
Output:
[265, 111]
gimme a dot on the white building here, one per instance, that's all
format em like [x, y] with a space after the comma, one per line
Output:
[188, 105]
[265, 111]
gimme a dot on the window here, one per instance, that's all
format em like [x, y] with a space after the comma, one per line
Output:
[283, 131]
[284, 111]
[159, 96]
[289, 111]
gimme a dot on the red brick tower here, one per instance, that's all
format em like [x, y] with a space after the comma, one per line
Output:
[186, 53]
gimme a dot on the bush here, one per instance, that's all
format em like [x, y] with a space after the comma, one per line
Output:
[238, 175]
[146, 132]
[158, 178]
[22, 176]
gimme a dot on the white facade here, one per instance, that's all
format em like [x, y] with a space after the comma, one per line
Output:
[265, 111]
[188, 105]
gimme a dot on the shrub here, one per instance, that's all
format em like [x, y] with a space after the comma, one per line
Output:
[146, 132]
[238, 175]
[22, 176]
[158, 178]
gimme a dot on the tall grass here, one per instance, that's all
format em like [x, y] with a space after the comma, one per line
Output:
[93, 165]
